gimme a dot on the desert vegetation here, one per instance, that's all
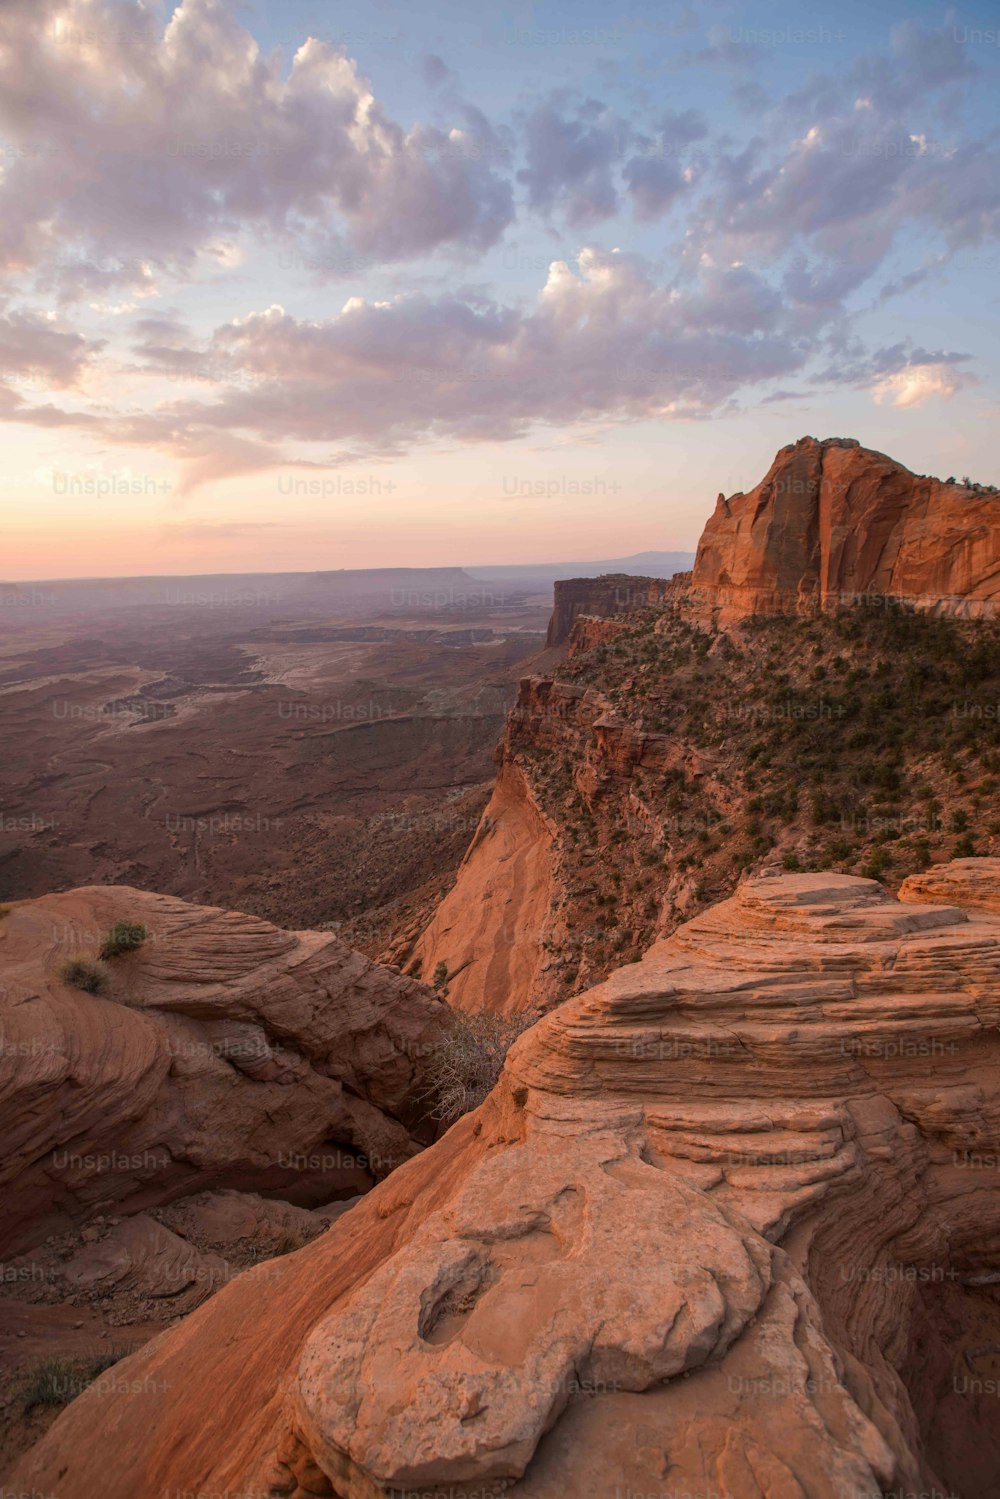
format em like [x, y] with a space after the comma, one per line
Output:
[865, 741]
[467, 1061]
[85, 974]
[57, 1381]
[124, 936]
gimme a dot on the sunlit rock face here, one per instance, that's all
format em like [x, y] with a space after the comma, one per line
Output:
[833, 521]
[728, 1226]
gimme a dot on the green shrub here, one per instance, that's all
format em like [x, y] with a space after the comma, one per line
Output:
[879, 860]
[922, 853]
[440, 975]
[85, 974]
[57, 1381]
[124, 936]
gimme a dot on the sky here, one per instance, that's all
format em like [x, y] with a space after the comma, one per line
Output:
[300, 284]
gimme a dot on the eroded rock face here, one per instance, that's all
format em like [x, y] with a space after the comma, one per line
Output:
[833, 521]
[225, 1052]
[603, 598]
[486, 930]
[726, 1227]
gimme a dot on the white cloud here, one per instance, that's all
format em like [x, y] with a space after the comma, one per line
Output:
[918, 383]
[132, 149]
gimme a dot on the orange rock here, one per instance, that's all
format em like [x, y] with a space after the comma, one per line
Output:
[834, 522]
[225, 1052]
[721, 1230]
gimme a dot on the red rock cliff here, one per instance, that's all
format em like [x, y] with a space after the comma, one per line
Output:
[833, 520]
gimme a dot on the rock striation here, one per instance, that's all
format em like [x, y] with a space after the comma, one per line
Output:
[225, 1052]
[832, 522]
[727, 1226]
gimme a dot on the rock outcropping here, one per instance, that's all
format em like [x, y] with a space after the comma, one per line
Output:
[728, 1226]
[833, 522]
[224, 1052]
[604, 597]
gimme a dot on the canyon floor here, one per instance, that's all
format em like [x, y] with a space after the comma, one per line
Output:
[310, 766]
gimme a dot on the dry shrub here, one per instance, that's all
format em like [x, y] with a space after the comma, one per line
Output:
[466, 1063]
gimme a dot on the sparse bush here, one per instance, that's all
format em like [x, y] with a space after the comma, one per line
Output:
[468, 1059]
[922, 853]
[85, 974]
[791, 861]
[879, 860]
[440, 978]
[124, 936]
[291, 1240]
[57, 1381]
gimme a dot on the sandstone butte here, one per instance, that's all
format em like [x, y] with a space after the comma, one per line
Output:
[831, 523]
[727, 1227]
[226, 1051]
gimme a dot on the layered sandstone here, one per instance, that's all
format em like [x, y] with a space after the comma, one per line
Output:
[604, 598]
[726, 1227]
[225, 1053]
[833, 522]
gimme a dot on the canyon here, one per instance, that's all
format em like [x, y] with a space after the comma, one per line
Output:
[316, 750]
[727, 1224]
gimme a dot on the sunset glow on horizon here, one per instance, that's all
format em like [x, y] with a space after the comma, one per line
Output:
[457, 288]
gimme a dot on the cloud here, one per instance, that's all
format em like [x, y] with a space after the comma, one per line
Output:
[140, 151]
[583, 159]
[603, 342]
[654, 186]
[900, 374]
[34, 346]
[841, 170]
[436, 72]
[135, 149]
[571, 160]
[917, 383]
